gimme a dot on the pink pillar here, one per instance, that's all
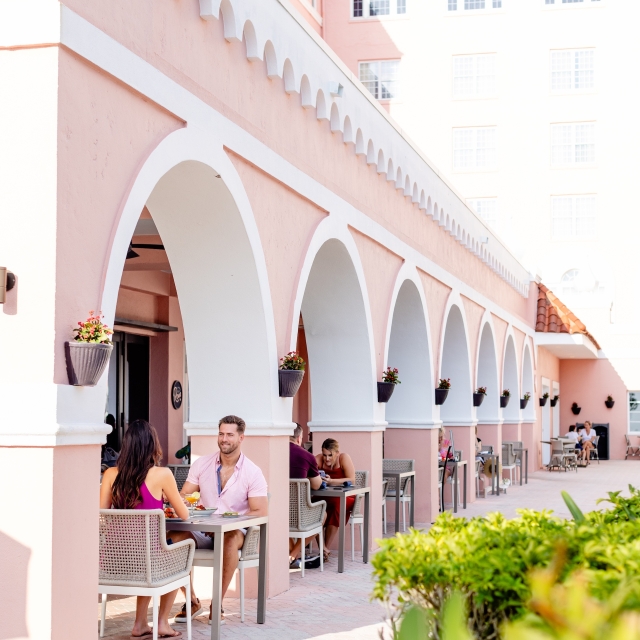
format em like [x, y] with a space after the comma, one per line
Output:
[465, 441]
[491, 434]
[420, 445]
[531, 442]
[365, 449]
[271, 454]
[511, 431]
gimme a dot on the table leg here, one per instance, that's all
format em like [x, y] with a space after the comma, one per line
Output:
[521, 468]
[454, 487]
[216, 594]
[262, 576]
[464, 491]
[526, 466]
[365, 548]
[397, 504]
[444, 480]
[343, 517]
[412, 503]
[498, 474]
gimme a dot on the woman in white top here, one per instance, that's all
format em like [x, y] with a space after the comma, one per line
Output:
[588, 439]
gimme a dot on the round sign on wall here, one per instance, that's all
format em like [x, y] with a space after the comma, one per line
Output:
[176, 394]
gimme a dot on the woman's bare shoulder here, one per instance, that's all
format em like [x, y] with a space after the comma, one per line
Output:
[110, 474]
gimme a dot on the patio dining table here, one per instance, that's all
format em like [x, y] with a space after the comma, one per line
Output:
[343, 493]
[495, 464]
[398, 476]
[218, 525]
[456, 466]
[526, 464]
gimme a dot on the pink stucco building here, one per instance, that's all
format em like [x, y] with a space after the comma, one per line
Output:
[289, 212]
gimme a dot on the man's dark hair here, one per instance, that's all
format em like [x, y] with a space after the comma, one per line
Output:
[572, 427]
[297, 432]
[239, 422]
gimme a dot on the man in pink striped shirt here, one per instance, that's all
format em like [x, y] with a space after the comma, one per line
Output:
[229, 481]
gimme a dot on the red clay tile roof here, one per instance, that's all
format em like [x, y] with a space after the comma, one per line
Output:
[555, 317]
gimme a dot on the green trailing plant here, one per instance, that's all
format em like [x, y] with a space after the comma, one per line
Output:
[488, 560]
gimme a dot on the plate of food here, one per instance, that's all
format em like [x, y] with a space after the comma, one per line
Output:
[170, 514]
[202, 510]
[230, 514]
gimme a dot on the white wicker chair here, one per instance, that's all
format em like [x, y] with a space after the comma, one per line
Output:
[249, 556]
[391, 465]
[357, 515]
[135, 559]
[305, 517]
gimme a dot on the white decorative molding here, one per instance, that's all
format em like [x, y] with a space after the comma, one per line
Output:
[63, 434]
[459, 423]
[414, 424]
[253, 429]
[512, 422]
[346, 426]
[491, 422]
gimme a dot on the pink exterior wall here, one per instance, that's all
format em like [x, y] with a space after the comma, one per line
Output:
[303, 10]
[547, 366]
[589, 382]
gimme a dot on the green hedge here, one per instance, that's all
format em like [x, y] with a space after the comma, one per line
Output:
[489, 560]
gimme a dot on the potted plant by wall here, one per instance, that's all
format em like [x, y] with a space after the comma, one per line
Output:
[609, 402]
[443, 390]
[543, 400]
[504, 398]
[575, 409]
[524, 401]
[554, 401]
[388, 384]
[290, 374]
[479, 396]
[88, 354]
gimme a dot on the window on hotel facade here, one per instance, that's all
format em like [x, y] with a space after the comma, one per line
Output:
[569, 1]
[473, 5]
[573, 143]
[486, 208]
[573, 217]
[380, 77]
[474, 149]
[474, 76]
[374, 8]
[573, 70]
[634, 411]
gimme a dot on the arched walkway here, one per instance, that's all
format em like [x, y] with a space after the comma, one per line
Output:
[488, 413]
[510, 381]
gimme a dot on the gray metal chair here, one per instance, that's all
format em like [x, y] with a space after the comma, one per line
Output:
[440, 488]
[593, 454]
[357, 515]
[517, 444]
[134, 559]
[385, 487]
[508, 460]
[180, 473]
[305, 517]
[398, 466]
[248, 556]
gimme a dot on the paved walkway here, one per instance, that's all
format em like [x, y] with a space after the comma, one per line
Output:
[329, 606]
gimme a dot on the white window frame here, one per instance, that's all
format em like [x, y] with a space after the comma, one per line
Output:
[461, 11]
[473, 204]
[637, 394]
[395, 98]
[475, 168]
[572, 71]
[573, 234]
[572, 163]
[582, 4]
[475, 58]
[393, 10]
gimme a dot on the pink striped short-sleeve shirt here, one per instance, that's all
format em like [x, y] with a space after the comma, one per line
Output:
[246, 482]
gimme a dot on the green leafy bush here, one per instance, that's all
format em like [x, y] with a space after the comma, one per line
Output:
[489, 560]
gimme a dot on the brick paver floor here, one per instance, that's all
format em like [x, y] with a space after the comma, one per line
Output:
[332, 606]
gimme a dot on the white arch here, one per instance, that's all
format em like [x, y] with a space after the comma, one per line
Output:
[527, 377]
[487, 371]
[289, 77]
[381, 164]
[408, 348]
[399, 181]
[407, 188]
[331, 295]
[271, 60]
[180, 175]
[335, 120]
[361, 149]
[510, 379]
[391, 176]
[371, 153]
[347, 132]
[251, 42]
[306, 94]
[322, 112]
[229, 22]
[455, 363]
[425, 204]
[415, 195]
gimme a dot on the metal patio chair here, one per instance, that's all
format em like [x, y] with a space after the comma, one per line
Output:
[357, 515]
[398, 466]
[305, 517]
[631, 450]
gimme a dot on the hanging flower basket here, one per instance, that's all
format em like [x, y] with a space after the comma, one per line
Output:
[478, 399]
[290, 374]
[87, 356]
[609, 402]
[524, 402]
[554, 401]
[385, 391]
[575, 409]
[504, 401]
[441, 395]
[543, 401]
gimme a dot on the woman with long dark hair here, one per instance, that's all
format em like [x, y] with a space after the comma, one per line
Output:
[137, 482]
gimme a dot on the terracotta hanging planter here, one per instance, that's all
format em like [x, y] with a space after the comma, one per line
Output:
[385, 391]
[86, 362]
[478, 399]
[441, 395]
[504, 401]
[289, 381]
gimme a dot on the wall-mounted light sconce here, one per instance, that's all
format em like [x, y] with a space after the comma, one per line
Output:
[336, 89]
[7, 282]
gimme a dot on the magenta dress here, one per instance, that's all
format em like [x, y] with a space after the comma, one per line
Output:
[148, 501]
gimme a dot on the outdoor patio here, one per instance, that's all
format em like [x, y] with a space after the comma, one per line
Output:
[332, 606]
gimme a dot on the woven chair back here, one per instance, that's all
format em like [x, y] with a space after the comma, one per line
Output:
[391, 465]
[362, 480]
[303, 514]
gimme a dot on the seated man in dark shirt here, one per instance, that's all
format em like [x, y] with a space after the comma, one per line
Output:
[302, 464]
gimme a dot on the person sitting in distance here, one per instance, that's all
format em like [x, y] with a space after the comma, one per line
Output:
[588, 440]
[228, 481]
[575, 437]
[302, 464]
[137, 482]
[335, 468]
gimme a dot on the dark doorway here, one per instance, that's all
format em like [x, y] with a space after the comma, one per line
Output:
[128, 397]
[602, 431]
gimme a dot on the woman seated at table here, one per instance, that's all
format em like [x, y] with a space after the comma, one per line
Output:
[137, 482]
[588, 440]
[444, 453]
[336, 469]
